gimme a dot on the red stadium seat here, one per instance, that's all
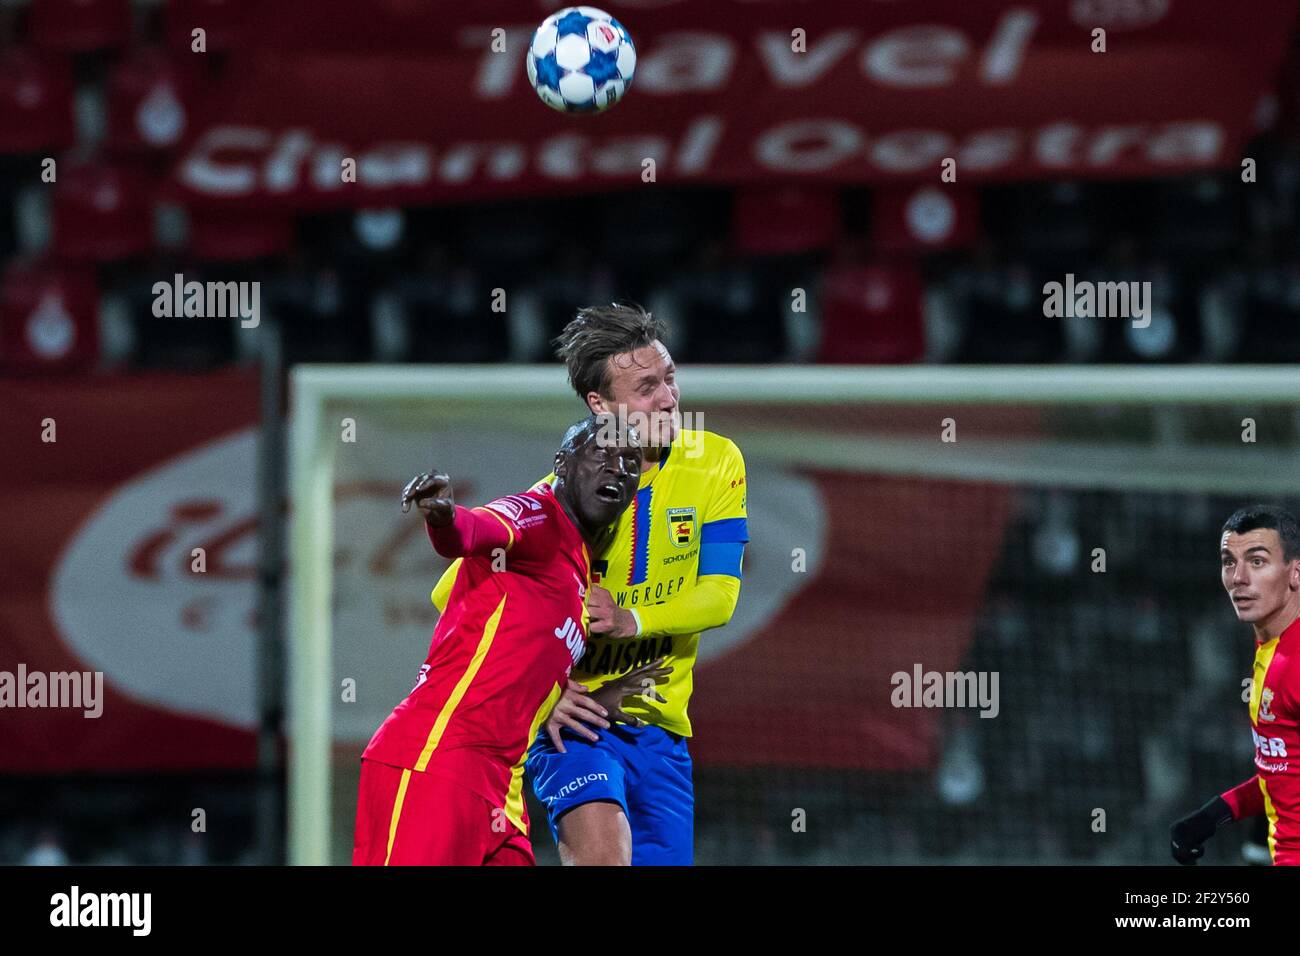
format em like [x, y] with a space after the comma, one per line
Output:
[223, 22]
[48, 318]
[35, 103]
[149, 102]
[923, 218]
[785, 220]
[77, 26]
[102, 213]
[872, 314]
[218, 235]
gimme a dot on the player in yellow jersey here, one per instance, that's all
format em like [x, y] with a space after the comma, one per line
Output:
[622, 793]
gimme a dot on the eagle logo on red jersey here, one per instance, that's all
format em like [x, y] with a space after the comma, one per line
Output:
[1266, 704]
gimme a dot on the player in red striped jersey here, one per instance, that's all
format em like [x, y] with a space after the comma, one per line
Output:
[1260, 555]
[442, 778]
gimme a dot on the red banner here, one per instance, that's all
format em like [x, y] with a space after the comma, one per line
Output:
[839, 91]
[102, 507]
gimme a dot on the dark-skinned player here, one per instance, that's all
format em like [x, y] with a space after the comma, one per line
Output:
[442, 778]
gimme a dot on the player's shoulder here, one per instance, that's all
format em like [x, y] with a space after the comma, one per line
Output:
[711, 443]
[535, 502]
[708, 449]
[547, 485]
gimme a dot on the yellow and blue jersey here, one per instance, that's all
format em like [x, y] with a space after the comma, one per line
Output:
[674, 560]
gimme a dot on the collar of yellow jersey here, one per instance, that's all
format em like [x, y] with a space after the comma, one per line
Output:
[647, 475]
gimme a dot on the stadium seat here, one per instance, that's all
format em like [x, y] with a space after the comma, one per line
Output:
[447, 312]
[784, 221]
[171, 341]
[573, 281]
[78, 26]
[1002, 305]
[722, 313]
[1049, 224]
[504, 240]
[102, 212]
[321, 310]
[1270, 315]
[223, 21]
[149, 102]
[871, 313]
[35, 102]
[234, 235]
[1198, 217]
[668, 225]
[923, 219]
[48, 318]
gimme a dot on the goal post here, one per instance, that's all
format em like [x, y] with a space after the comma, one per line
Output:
[537, 401]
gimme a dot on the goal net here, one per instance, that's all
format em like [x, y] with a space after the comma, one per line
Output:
[981, 618]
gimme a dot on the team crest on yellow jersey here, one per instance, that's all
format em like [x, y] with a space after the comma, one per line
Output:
[681, 526]
[1265, 705]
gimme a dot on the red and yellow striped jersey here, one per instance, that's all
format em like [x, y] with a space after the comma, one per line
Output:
[514, 627]
[1275, 726]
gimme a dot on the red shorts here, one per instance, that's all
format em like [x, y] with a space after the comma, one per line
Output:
[408, 818]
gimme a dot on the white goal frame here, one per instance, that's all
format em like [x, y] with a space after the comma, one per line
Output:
[314, 441]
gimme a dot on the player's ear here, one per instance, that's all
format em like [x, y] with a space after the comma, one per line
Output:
[559, 464]
[596, 403]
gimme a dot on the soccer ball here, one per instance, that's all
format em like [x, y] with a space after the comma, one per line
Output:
[581, 60]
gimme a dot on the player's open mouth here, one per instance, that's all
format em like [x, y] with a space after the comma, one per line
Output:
[611, 493]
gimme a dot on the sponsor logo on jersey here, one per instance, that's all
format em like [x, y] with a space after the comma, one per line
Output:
[681, 526]
[1269, 746]
[508, 507]
[571, 634]
[622, 654]
[1266, 704]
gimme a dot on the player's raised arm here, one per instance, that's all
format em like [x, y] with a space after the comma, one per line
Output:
[455, 532]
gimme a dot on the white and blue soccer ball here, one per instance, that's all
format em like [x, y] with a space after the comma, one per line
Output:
[581, 60]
